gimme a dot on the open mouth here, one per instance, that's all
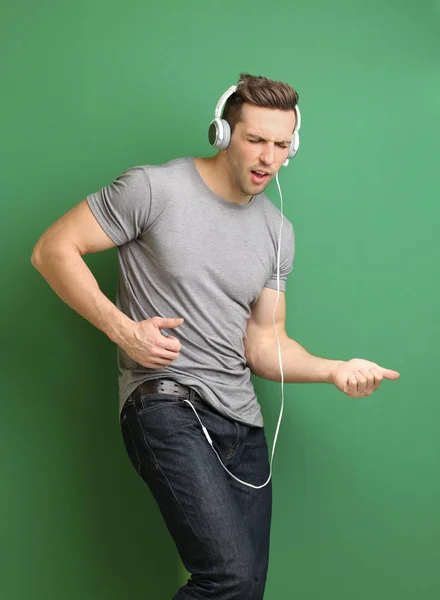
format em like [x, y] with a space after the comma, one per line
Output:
[259, 176]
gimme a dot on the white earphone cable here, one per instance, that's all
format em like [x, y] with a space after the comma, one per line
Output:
[205, 431]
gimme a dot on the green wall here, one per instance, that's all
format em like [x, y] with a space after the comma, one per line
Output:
[92, 88]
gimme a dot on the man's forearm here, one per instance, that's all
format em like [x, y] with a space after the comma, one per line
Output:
[68, 275]
[299, 366]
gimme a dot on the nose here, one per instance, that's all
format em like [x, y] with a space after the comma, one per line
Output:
[267, 156]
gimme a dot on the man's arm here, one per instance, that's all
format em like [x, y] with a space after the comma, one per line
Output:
[261, 348]
[58, 257]
[355, 377]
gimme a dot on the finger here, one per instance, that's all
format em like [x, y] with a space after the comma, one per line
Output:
[361, 384]
[378, 378]
[177, 345]
[165, 347]
[351, 386]
[161, 361]
[170, 343]
[162, 323]
[369, 376]
[160, 364]
[167, 355]
[390, 374]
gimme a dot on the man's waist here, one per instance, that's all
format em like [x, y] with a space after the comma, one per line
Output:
[164, 386]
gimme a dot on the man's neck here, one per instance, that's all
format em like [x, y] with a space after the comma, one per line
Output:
[215, 173]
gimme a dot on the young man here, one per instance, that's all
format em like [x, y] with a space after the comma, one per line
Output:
[198, 257]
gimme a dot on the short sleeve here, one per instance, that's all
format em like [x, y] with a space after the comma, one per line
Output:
[286, 258]
[123, 207]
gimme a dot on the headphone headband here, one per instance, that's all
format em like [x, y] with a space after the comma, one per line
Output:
[223, 99]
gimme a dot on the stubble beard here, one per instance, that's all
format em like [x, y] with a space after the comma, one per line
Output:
[247, 187]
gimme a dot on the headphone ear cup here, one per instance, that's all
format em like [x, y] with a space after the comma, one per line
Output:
[294, 145]
[219, 134]
[227, 135]
[293, 148]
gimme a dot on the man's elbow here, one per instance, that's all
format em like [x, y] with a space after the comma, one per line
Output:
[36, 256]
[40, 253]
[255, 363]
[253, 354]
[45, 251]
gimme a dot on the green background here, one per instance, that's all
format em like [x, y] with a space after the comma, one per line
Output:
[89, 89]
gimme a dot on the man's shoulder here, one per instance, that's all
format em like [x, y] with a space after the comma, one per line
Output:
[178, 164]
[272, 212]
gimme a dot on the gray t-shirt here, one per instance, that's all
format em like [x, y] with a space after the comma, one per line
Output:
[186, 252]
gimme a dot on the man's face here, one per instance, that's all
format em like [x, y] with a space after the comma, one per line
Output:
[259, 143]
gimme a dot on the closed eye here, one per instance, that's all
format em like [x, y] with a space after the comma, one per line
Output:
[279, 144]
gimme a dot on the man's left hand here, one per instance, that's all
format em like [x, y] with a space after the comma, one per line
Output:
[358, 377]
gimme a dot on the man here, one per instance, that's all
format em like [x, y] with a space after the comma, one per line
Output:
[197, 245]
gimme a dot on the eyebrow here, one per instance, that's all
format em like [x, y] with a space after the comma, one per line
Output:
[259, 137]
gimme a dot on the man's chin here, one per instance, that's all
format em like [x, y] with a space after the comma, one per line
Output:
[258, 188]
[250, 188]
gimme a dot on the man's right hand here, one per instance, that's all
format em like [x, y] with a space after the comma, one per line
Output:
[148, 347]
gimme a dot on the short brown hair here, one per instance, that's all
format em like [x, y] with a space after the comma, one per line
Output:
[259, 91]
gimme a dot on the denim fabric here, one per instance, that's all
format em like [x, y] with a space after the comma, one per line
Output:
[221, 528]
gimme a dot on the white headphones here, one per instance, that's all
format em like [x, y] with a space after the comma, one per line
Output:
[219, 133]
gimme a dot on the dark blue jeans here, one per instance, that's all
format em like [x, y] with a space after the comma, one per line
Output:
[221, 528]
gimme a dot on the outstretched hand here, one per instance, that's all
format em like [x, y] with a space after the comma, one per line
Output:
[358, 377]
